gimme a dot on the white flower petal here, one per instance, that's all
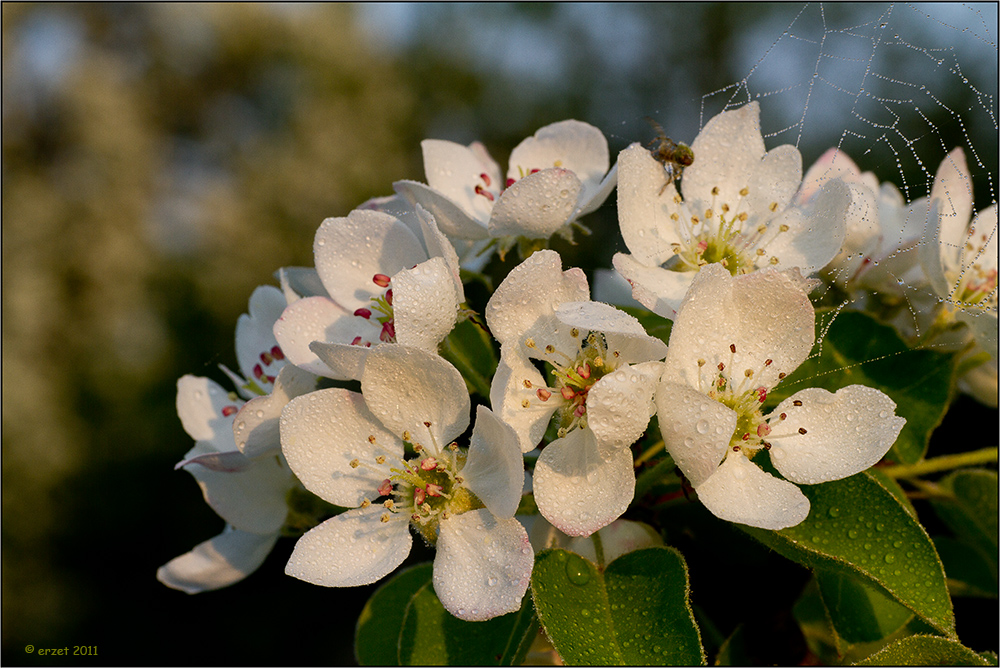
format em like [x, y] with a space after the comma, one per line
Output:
[350, 251]
[251, 498]
[255, 427]
[983, 325]
[579, 491]
[930, 251]
[740, 492]
[219, 562]
[322, 432]
[508, 392]
[618, 538]
[832, 164]
[455, 170]
[953, 188]
[845, 433]
[483, 565]
[438, 246]
[317, 319]
[408, 387]
[774, 181]
[398, 207]
[343, 362]
[726, 153]
[623, 333]
[255, 332]
[696, 430]
[200, 402]
[590, 200]
[660, 290]
[611, 287]
[764, 315]
[573, 145]
[494, 469]
[451, 218]
[645, 207]
[523, 305]
[425, 304]
[352, 549]
[233, 461]
[537, 205]
[619, 406]
[980, 382]
[815, 234]
[299, 282]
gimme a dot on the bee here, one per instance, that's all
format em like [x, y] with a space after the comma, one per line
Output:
[674, 156]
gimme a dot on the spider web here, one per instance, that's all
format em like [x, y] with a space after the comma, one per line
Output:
[896, 92]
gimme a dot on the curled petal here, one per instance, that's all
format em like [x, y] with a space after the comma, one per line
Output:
[537, 205]
[494, 469]
[740, 492]
[203, 407]
[407, 388]
[953, 190]
[217, 563]
[579, 491]
[255, 427]
[255, 331]
[316, 319]
[696, 430]
[342, 361]
[832, 436]
[451, 218]
[658, 289]
[509, 393]
[619, 406]
[483, 565]
[425, 304]
[623, 333]
[299, 282]
[352, 549]
[322, 432]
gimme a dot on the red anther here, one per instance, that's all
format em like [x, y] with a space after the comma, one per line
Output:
[434, 490]
[796, 403]
[761, 394]
[567, 393]
[229, 410]
[427, 424]
[418, 496]
[746, 437]
[266, 358]
[258, 371]
[270, 379]
[356, 341]
[782, 416]
[484, 192]
[363, 313]
[768, 361]
[580, 410]
[583, 371]
[486, 178]
[388, 333]
[381, 280]
[543, 394]
[732, 348]
[763, 429]
[385, 489]
[428, 464]
[534, 171]
[782, 375]
[510, 181]
[388, 296]
[802, 430]
[702, 247]
[722, 367]
[277, 353]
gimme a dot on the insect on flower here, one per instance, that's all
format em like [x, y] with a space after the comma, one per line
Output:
[675, 157]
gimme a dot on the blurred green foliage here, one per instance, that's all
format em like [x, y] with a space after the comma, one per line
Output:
[162, 160]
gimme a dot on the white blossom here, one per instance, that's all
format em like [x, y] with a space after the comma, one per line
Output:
[351, 450]
[733, 340]
[603, 375]
[737, 209]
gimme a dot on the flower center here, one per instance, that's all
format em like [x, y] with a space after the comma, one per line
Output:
[426, 488]
[729, 242]
[380, 304]
[573, 376]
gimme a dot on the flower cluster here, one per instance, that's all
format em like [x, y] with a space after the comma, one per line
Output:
[728, 249]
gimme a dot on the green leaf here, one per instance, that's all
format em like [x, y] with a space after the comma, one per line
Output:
[969, 571]
[404, 623]
[859, 612]
[859, 529]
[469, 347]
[924, 650]
[734, 650]
[377, 632]
[858, 350]
[968, 505]
[635, 612]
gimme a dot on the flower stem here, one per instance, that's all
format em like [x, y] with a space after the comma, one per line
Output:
[656, 447]
[598, 548]
[945, 463]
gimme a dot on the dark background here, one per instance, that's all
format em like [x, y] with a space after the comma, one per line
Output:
[160, 161]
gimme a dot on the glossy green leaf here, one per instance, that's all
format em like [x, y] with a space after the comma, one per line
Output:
[635, 612]
[924, 650]
[404, 623]
[968, 505]
[469, 347]
[858, 350]
[859, 612]
[859, 529]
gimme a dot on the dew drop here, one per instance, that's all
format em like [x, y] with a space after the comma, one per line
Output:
[853, 533]
[702, 426]
[260, 414]
[834, 512]
[491, 582]
[889, 558]
[577, 570]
